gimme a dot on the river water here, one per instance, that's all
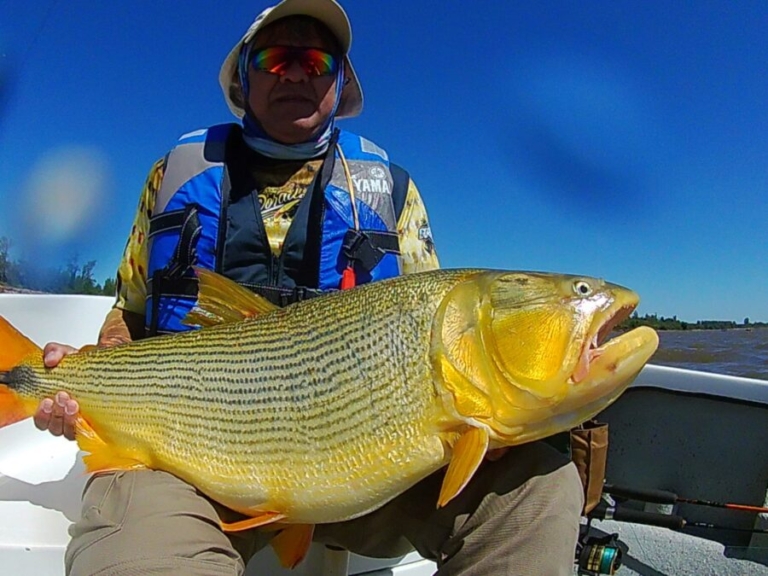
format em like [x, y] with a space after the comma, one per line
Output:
[734, 352]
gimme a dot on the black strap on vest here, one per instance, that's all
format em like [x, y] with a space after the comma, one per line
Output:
[400, 180]
[314, 227]
[189, 222]
[173, 280]
[186, 252]
[282, 297]
[366, 248]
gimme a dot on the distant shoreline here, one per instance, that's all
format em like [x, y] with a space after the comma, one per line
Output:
[735, 328]
[674, 323]
[694, 329]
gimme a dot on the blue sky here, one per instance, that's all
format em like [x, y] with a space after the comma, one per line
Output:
[625, 140]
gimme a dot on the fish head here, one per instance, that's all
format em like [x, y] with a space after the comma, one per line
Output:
[525, 356]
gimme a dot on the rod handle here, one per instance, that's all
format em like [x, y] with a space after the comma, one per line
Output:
[644, 495]
[603, 511]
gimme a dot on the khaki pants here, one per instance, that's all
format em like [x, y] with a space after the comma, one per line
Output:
[519, 516]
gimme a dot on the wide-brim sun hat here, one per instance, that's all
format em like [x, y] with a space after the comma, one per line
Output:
[330, 13]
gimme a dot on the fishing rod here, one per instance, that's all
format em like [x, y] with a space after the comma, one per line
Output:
[667, 497]
[600, 556]
[606, 511]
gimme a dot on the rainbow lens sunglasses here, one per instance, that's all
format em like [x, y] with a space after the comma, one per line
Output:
[277, 59]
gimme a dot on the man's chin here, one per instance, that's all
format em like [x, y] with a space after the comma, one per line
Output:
[292, 125]
[294, 108]
[296, 132]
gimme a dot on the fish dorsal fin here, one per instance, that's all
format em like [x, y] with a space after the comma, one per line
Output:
[292, 544]
[468, 453]
[221, 301]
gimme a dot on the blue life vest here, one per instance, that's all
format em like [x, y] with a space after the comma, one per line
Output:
[204, 216]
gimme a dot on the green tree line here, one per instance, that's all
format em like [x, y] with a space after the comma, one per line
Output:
[71, 278]
[662, 323]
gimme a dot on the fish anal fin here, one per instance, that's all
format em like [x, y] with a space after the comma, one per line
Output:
[88, 348]
[258, 519]
[221, 301]
[102, 457]
[292, 544]
[468, 453]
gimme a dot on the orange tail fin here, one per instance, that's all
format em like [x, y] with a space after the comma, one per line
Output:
[14, 348]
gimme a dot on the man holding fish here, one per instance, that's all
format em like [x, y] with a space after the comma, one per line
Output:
[288, 79]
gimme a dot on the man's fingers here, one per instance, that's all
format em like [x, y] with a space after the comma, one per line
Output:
[58, 415]
[70, 418]
[56, 425]
[54, 352]
[42, 418]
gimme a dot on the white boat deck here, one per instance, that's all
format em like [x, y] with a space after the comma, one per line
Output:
[661, 552]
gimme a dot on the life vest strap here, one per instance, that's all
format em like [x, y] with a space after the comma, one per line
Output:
[284, 296]
[366, 248]
[165, 222]
[189, 223]
[180, 287]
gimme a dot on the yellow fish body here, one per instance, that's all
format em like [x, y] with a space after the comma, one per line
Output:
[327, 409]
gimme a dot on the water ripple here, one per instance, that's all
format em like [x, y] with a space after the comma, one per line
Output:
[734, 352]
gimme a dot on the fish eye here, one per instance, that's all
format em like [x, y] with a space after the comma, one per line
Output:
[582, 288]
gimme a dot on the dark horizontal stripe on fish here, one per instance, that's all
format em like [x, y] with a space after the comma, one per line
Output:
[250, 403]
[340, 421]
[251, 354]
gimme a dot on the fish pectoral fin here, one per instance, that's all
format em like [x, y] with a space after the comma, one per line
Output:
[260, 519]
[468, 453]
[101, 457]
[222, 301]
[292, 544]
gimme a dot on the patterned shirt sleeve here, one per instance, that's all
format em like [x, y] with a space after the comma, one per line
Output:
[416, 245]
[132, 272]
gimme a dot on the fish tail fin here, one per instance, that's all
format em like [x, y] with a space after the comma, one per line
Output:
[12, 408]
[14, 348]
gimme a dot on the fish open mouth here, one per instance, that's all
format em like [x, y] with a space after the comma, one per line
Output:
[593, 346]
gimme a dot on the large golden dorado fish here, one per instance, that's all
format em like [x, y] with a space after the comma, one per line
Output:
[327, 409]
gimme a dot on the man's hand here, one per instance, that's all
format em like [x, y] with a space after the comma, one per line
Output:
[57, 415]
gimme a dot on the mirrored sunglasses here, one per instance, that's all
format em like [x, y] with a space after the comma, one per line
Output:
[277, 60]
